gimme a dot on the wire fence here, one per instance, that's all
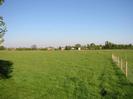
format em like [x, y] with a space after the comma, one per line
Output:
[121, 63]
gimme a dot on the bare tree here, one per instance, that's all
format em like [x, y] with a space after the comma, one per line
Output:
[2, 26]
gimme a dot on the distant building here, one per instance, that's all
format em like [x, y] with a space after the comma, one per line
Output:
[62, 49]
[50, 48]
[79, 48]
[72, 48]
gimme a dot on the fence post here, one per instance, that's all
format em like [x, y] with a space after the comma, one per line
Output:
[126, 69]
[118, 61]
[121, 64]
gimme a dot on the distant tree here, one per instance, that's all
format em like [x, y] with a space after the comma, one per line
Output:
[68, 47]
[34, 47]
[77, 46]
[130, 46]
[108, 45]
[88, 46]
[92, 46]
[100, 47]
[84, 47]
[59, 47]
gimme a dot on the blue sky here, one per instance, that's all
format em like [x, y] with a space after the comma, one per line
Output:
[66, 22]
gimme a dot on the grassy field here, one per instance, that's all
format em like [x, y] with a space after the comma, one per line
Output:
[66, 75]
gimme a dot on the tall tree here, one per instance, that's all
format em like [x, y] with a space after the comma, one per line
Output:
[2, 26]
[2, 29]
[108, 45]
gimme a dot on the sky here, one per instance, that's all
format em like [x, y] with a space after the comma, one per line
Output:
[67, 22]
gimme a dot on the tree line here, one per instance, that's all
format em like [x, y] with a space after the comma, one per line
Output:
[91, 46]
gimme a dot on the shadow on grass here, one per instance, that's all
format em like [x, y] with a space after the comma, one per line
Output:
[6, 69]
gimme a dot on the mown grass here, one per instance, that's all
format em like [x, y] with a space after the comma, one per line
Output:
[65, 75]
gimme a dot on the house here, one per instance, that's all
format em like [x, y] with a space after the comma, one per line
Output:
[79, 48]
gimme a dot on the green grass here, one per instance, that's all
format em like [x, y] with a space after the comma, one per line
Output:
[66, 75]
[127, 55]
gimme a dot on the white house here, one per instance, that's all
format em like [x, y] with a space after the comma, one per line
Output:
[79, 48]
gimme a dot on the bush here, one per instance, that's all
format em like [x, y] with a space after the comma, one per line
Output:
[6, 69]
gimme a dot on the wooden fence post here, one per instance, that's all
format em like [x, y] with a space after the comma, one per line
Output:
[121, 64]
[118, 61]
[126, 69]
